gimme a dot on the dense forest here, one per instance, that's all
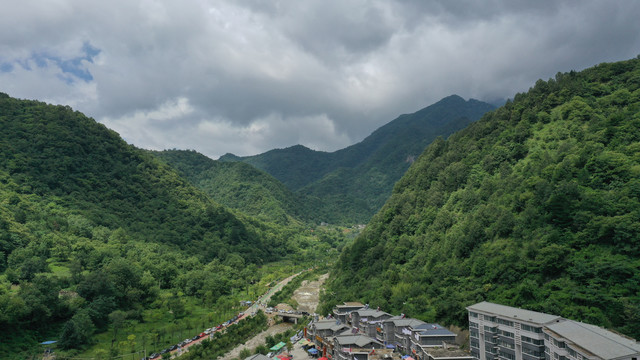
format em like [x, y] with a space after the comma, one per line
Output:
[537, 205]
[97, 236]
[348, 186]
[240, 186]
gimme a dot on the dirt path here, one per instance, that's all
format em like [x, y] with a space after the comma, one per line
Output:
[257, 340]
[308, 294]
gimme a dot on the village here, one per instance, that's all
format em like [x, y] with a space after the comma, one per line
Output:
[356, 332]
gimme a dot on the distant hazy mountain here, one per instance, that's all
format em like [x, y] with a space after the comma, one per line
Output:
[352, 184]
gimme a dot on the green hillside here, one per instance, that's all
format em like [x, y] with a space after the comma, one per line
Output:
[52, 151]
[238, 185]
[353, 183]
[97, 236]
[367, 171]
[295, 166]
[537, 205]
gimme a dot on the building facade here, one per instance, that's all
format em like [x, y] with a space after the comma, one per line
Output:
[572, 340]
[508, 333]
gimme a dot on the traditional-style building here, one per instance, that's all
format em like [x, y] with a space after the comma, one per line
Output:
[341, 312]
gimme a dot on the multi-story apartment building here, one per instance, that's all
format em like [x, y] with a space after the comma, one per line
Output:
[572, 340]
[507, 333]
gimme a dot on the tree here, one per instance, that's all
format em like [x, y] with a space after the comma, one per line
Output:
[77, 331]
[117, 322]
[176, 306]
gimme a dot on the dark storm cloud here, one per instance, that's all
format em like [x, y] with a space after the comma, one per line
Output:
[249, 76]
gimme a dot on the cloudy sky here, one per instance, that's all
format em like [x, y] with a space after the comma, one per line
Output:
[249, 76]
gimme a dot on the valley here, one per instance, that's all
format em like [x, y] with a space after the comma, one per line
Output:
[110, 250]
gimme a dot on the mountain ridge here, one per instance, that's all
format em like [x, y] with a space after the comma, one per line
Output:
[352, 183]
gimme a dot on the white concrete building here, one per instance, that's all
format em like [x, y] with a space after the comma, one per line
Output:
[572, 340]
[499, 331]
[508, 333]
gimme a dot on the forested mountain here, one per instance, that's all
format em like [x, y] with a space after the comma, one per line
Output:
[353, 183]
[56, 153]
[239, 186]
[537, 205]
[95, 233]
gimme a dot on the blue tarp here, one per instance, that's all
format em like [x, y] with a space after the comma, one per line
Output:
[312, 351]
[391, 346]
[48, 342]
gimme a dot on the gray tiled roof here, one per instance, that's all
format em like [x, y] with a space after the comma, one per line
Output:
[371, 313]
[512, 312]
[357, 340]
[329, 324]
[599, 341]
[399, 321]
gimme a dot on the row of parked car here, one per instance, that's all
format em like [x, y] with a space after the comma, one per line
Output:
[186, 342]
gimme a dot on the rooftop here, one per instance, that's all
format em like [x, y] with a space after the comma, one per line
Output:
[399, 321]
[432, 329]
[357, 340]
[446, 353]
[596, 340]
[515, 313]
[329, 324]
[258, 357]
[371, 313]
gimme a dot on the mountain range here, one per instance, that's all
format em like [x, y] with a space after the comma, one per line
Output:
[535, 204]
[351, 184]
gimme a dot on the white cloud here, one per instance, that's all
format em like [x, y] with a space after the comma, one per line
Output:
[249, 76]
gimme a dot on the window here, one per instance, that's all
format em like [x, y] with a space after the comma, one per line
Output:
[507, 355]
[490, 329]
[506, 344]
[504, 322]
[531, 329]
[532, 341]
[506, 333]
[473, 325]
[475, 343]
[473, 314]
[473, 333]
[571, 352]
[490, 318]
[531, 352]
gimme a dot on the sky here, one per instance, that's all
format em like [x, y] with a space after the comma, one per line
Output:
[245, 77]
